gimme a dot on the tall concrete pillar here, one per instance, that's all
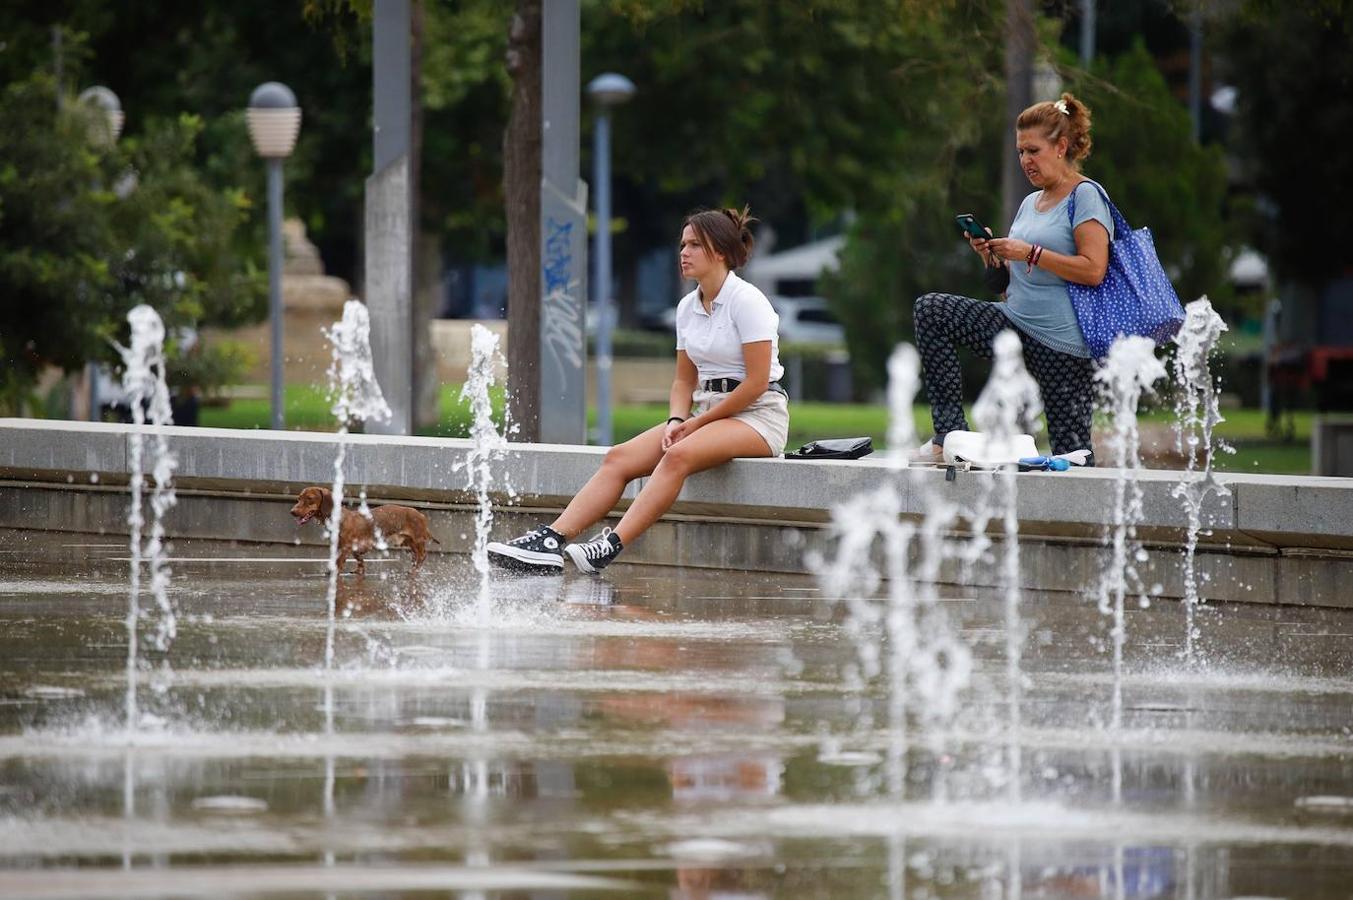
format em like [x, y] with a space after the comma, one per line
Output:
[389, 216]
[1087, 33]
[563, 232]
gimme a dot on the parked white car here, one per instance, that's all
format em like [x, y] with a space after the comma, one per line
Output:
[803, 320]
[807, 320]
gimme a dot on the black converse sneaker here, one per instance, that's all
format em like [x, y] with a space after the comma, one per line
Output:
[597, 553]
[536, 551]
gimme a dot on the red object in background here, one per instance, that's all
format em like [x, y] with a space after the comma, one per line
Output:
[1326, 371]
[1323, 359]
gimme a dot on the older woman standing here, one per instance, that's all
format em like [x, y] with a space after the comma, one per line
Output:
[727, 369]
[1044, 250]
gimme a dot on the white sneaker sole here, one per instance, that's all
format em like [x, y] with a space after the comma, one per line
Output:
[579, 558]
[499, 552]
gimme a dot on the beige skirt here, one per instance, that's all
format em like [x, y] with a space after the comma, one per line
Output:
[767, 414]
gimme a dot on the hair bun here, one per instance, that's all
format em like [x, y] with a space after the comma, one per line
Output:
[743, 219]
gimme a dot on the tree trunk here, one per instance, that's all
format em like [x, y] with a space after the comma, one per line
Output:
[521, 190]
[424, 270]
[1020, 40]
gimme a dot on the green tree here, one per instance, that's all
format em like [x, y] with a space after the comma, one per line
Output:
[465, 97]
[801, 109]
[55, 234]
[165, 59]
[89, 229]
[1157, 175]
[1292, 65]
[944, 158]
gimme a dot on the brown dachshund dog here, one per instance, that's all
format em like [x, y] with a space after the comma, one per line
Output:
[400, 526]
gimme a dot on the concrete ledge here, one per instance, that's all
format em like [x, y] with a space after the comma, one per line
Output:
[48, 446]
[1287, 537]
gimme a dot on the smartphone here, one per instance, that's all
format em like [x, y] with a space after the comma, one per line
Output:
[968, 222]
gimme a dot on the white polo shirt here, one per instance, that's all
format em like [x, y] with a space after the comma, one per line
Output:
[740, 314]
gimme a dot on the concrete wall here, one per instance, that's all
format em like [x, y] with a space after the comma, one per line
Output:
[1274, 539]
[1332, 445]
[637, 380]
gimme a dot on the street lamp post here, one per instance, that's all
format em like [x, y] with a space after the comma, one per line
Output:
[106, 102]
[606, 91]
[274, 122]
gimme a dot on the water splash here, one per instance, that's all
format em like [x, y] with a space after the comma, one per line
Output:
[489, 443]
[356, 393]
[922, 660]
[1009, 403]
[364, 510]
[357, 398]
[148, 396]
[904, 382]
[1197, 413]
[1130, 371]
[488, 446]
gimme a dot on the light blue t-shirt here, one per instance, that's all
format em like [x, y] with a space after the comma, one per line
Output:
[1038, 301]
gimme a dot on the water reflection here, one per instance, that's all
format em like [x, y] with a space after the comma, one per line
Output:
[698, 780]
[665, 730]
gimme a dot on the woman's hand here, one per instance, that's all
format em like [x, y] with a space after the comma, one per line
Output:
[676, 431]
[982, 247]
[1009, 248]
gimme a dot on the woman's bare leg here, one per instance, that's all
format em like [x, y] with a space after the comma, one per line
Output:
[623, 463]
[711, 446]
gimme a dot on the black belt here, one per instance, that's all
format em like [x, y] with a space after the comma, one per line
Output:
[728, 385]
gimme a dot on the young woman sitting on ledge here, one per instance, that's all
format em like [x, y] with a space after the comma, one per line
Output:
[727, 370]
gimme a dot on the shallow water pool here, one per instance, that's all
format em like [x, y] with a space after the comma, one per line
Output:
[654, 732]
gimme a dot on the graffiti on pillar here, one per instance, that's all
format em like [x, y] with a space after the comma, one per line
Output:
[562, 327]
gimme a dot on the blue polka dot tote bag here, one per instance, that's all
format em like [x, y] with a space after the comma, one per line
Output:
[1135, 297]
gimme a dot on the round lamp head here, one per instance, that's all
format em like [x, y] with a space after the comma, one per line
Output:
[1047, 82]
[610, 89]
[104, 100]
[274, 120]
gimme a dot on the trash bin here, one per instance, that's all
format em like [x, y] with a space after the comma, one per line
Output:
[839, 387]
[1332, 445]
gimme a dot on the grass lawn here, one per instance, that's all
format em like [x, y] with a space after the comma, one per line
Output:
[807, 421]
[1256, 450]
[307, 408]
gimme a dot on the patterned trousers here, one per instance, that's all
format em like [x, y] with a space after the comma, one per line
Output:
[946, 321]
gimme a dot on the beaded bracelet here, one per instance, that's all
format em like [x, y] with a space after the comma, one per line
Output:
[1035, 251]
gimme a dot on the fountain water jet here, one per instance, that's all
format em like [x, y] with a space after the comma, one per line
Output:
[923, 656]
[489, 443]
[1130, 371]
[148, 396]
[1197, 413]
[1009, 399]
[904, 382]
[356, 397]
[855, 526]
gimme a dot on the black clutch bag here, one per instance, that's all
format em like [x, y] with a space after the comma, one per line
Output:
[997, 280]
[834, 448]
